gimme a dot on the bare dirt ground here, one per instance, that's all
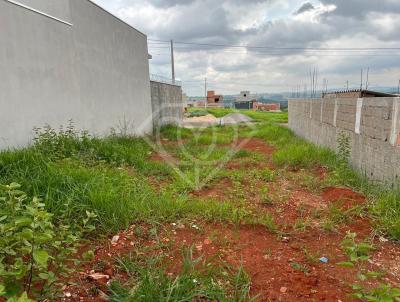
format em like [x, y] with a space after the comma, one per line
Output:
[200, 121]
[211, 120]
[284, 265]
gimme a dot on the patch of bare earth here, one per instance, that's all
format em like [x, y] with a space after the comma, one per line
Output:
[280, 268]
[251, 145]
[255, 145]
[345, 197]
[163, 156]
[283, 266]
[216, 190]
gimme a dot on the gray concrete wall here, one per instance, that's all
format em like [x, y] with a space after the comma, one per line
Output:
[373, 125]
[70, 59]
[167, 104]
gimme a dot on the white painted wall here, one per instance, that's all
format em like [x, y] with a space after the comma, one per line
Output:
[94, 72]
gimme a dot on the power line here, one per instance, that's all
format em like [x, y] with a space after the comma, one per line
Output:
[275, 52]
[281, 48]
[269, 50]
[306, 54]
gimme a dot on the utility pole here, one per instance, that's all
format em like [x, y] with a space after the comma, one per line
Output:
[367, 83]
[361, 85]
[347, 84]
[398, 88]
[172, 62]
[205, 91]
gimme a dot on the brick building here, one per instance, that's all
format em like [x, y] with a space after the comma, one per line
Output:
[269, 107]
[213, 98]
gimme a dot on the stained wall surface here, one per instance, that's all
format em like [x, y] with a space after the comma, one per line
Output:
[167, 104]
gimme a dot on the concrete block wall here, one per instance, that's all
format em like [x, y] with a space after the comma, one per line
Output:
[167, 103]
[373, 125]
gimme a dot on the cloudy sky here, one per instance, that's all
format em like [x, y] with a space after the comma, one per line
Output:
[337, 37]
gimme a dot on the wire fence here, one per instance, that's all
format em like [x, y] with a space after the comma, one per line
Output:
[165, 80]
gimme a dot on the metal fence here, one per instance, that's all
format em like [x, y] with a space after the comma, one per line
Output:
[165, 80]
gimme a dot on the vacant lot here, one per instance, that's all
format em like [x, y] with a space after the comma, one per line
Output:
[217, 214]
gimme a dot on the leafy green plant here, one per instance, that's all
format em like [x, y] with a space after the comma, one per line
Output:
[359, 253]
[33, 251]
[267, 175]
[59, 144]
[264, 196]
[356, 251]
[343, 146]
[382, 293]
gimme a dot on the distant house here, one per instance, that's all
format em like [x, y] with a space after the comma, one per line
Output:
[246, 101]
[357, 93]
[269, 107]
[213, 98]
[249, 105]
[246, 96]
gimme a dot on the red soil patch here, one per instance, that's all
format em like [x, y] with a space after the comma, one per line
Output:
[273, 263]
[158, 184]
[281, 269]
[255, 145]
[164, 157]
[347, 198]
[301, 197]
[252, 145]
[321, 172]
[214, 190]
[81, 286]
[167, 142]
[238, 164]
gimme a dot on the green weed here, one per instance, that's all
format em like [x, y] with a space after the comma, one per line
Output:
[196, 281]
[386, 209]
[383, 292]
[34, 250]
[356, 251]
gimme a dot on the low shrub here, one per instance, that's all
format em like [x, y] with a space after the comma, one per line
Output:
[34, 246]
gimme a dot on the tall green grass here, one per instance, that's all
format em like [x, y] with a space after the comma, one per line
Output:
[386, 209]
[110, 176]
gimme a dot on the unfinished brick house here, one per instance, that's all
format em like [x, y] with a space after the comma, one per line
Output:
[213, 98]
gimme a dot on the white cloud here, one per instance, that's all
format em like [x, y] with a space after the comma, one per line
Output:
[273, 23]
[314, 14]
